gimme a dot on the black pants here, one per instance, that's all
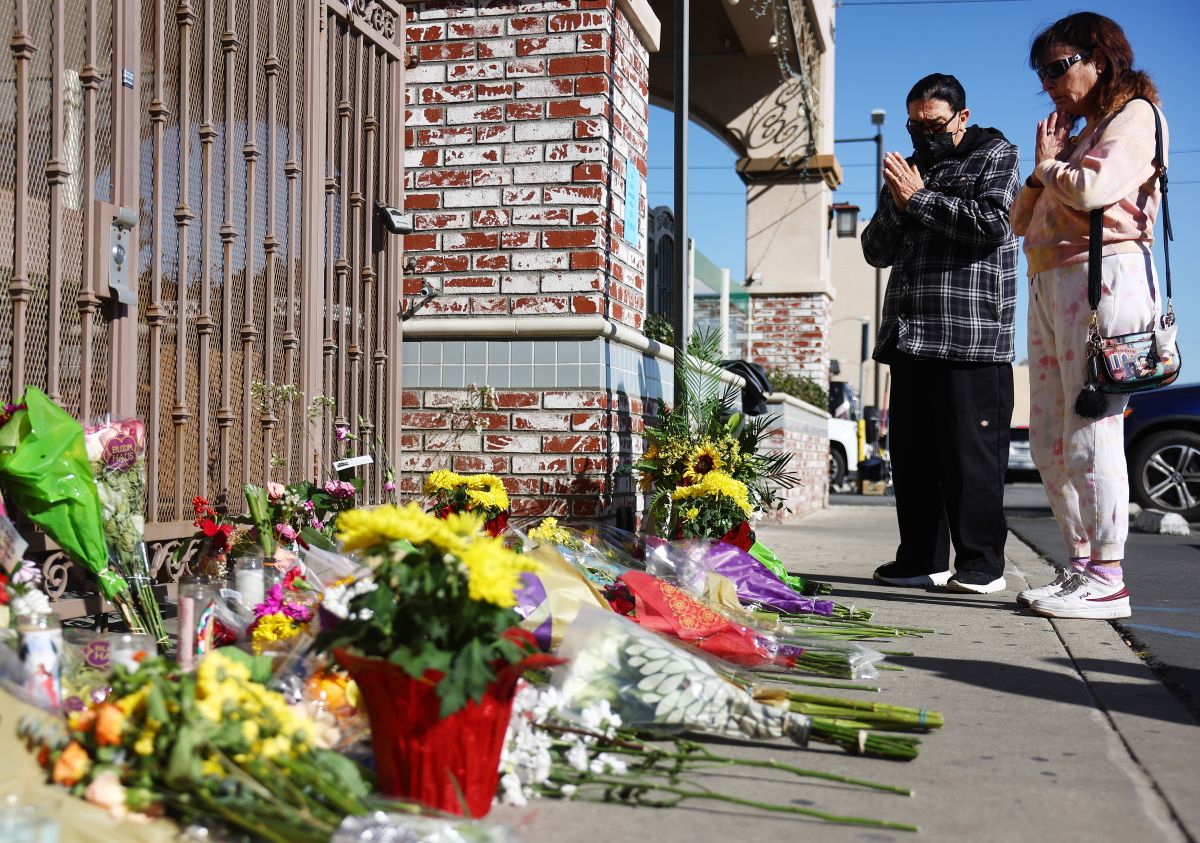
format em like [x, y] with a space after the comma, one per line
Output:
[948, 437]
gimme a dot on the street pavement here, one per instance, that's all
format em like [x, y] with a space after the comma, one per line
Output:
[1055, 730]
[1161, 572]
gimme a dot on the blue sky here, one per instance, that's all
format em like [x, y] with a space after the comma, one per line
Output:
[883, 48]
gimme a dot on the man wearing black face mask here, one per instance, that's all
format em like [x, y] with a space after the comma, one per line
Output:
[947, 333]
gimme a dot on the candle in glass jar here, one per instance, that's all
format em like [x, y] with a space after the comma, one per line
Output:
[250, 581]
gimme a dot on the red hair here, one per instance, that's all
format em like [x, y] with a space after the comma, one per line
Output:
[1100, 36]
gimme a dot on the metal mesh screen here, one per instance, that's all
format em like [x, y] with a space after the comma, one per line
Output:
[8, 175]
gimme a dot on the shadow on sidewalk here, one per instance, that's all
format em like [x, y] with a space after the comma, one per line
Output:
[1053, 685]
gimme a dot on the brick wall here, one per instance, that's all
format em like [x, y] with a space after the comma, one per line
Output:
[791, 332]
[558, 452]
[524, 120]
[803, 431]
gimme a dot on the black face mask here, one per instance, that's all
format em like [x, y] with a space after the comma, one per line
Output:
[932, 148]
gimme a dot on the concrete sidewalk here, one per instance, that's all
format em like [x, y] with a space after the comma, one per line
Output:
[1054, 730]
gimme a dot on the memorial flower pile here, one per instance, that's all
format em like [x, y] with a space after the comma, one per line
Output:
[704, 465]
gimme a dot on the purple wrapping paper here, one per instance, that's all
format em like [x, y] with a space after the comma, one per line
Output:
[756, 584]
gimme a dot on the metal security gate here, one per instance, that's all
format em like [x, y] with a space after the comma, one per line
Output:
[231, 153]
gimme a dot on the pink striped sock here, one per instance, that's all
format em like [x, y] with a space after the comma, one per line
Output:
[1078, 564]
[1109, 574]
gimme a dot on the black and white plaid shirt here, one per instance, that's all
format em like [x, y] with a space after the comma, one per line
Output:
[952, 291]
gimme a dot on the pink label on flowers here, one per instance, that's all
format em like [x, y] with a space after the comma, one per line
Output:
[120, 452]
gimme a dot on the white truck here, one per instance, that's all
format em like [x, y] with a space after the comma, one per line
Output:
[843, 437]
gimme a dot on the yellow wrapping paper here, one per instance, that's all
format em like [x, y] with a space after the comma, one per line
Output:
[566, 590]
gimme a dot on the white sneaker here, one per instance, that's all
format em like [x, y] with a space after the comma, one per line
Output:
[1049, 590]
[1085, 597]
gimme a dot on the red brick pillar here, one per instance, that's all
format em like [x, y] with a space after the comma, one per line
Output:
[525, 169]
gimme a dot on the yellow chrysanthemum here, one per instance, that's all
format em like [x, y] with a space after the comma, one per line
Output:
[494, 571]
[273, 627]
[651, 453]
[549, 531]
[716, 484]
[443, 481]
[693, 512]
[134, 701]
[361, 529]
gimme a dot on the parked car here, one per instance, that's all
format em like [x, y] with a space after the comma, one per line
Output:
[1162, 447]
[1020, 461]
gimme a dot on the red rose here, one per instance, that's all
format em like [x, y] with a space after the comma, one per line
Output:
[496, 526]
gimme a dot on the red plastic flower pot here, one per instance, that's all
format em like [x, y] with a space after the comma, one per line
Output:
[449, 763]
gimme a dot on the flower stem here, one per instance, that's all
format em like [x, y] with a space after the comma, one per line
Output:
[635, 789]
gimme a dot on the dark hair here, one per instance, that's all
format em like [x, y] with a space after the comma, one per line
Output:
[1100, 36]
[939, 86]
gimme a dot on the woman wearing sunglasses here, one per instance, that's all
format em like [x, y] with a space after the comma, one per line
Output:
[1085, 65]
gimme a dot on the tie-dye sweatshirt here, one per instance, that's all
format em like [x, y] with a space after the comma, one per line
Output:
[1111, 167]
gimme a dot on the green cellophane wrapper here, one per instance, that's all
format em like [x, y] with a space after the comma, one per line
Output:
[775, 565]
[45, 472]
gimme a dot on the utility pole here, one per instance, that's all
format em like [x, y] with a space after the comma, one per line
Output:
[682, 269]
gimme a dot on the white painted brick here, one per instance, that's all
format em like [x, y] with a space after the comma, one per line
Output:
[576, 152]
[540, 216]
[513, 443]
[524, 153]
[473, 155]
[541, 173]
[475, 70]
[522, 196]
[524, 283]
[458, 115]
[556, 44]
[545, 130]
[497, 48]
[570, 282]
[558, 86]
[540, 259]
[425, 73]
[473, 198]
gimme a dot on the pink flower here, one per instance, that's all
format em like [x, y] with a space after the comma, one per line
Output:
[343, 433]
[340, 489]
[275, 491]
[389, 486]
[285, 532]
[107, 791]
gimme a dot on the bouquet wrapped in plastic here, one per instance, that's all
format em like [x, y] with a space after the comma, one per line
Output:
[117, 452]
[46, 474]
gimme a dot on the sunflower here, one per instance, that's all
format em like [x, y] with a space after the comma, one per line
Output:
[703, 459]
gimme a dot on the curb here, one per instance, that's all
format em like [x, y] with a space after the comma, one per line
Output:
[1154, 728]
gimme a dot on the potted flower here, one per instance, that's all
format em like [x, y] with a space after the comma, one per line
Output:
[432, 642]
[483, 494]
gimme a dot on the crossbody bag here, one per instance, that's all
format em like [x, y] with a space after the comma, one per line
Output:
[1139, 361]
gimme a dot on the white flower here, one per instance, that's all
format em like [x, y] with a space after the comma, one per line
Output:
[511, 791]
[568, 790]
[606, 763]
[31, 603]
[95, 450]
[337, 599]
[577, 757]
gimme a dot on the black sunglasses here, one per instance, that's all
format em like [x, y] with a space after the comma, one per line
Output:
[1055, 69]
[930, 128]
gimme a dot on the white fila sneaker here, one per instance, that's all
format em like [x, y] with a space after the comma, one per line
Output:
[1049, 590]
[1085, 597]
